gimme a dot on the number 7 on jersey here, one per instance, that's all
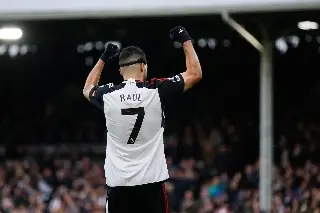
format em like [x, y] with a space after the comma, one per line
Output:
[137, 126]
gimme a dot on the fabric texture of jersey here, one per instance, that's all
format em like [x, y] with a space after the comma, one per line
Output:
[134, 119]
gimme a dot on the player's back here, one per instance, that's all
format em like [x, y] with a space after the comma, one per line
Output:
[134, 119]
[135, 150]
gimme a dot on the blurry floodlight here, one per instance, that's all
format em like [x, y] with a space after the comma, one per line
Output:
[212, 43]
[177, 45]
[99, 45]
[88, 46]
[202, 42]
[308, 25]
[24, 49]
[282, 45]
[14, 50]
[226, 43]
[294, 40]
[80, 48]
[89, 61]
[10, 33]
[3, 49]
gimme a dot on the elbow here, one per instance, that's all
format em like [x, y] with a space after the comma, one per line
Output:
[197, 78]
[196, 71]
[197, 74]
[86, 89]
[85, 93]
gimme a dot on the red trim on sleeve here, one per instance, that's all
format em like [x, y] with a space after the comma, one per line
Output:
[153, 81]
[157, 79]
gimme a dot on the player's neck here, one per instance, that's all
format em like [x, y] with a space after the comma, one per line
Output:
[135, 77]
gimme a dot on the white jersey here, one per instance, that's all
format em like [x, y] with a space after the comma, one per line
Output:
[134, 119]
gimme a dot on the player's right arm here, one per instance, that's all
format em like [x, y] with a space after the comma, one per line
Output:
[91, 90]
[193, 74]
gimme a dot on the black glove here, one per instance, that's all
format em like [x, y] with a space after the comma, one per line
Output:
[179, 34]
[111, 52]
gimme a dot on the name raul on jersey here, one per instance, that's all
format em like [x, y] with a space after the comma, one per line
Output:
[130, 97]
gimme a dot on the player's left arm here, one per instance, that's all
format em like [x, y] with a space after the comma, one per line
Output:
[193, 74]
[170, 88]
[94, 76]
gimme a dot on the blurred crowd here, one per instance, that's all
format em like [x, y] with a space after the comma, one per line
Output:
[212, 170]
[45, 181]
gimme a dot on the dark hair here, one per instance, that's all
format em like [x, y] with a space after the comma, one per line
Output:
[131, 55]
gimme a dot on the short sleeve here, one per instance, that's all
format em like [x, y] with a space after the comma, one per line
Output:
[170, 88]
[96, 94]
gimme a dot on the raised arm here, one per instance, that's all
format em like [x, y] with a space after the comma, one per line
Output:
[193, 74]
[94, 76]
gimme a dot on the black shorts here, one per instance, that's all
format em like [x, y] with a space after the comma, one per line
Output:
[148, 198]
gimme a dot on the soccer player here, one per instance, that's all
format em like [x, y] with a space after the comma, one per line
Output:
[135, 164]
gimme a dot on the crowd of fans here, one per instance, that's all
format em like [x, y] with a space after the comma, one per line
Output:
[211, 171]
[52, 181]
